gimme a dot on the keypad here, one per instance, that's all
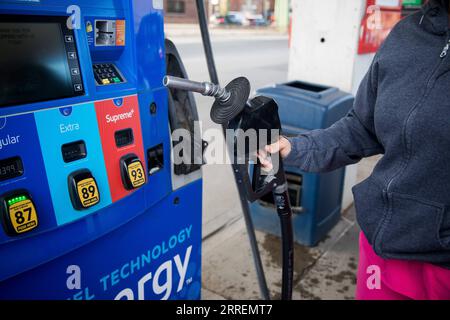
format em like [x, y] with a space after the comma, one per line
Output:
[107, 73]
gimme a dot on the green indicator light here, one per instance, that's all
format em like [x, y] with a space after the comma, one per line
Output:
[16, 199]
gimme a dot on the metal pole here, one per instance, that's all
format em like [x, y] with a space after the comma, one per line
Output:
[206, 41]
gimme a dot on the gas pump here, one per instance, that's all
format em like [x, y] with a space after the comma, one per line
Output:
[91, 206]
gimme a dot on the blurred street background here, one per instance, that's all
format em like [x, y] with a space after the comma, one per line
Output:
[232, 13]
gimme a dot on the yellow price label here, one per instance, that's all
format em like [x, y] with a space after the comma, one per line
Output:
[136, 174]
[23, 216]
[88, 192]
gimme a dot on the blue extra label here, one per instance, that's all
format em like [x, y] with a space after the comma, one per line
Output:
[57, 127]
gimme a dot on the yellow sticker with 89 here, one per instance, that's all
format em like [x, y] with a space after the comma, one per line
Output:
[136, 174]
[88, 192]
[23, 216]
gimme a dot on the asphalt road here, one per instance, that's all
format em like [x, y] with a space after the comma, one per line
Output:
[264, 61]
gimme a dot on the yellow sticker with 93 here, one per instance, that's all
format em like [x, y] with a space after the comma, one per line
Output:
[136, 174]
[88, 192]
[23, 216]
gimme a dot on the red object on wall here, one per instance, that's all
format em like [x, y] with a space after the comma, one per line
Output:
[115, 115]
[290, 32]
[381, 16]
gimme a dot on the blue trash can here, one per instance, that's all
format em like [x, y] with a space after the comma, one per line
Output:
[316, 198]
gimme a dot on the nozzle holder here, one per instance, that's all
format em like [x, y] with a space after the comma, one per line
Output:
[223, 110]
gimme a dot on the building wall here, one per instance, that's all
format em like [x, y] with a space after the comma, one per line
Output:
[239, 5]
[188, 16]
[235, 5]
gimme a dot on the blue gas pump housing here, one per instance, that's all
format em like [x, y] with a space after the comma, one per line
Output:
[88, 203]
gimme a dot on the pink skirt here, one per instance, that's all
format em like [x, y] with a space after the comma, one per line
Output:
[380, 279]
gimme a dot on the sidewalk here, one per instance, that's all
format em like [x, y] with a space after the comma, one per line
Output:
[327, 271]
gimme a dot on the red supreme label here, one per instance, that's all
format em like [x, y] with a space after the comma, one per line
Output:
[120, 131]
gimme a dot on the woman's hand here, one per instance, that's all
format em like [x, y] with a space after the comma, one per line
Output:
[283, 146]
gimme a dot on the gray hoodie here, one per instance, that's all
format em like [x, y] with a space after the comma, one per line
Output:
[401, 110]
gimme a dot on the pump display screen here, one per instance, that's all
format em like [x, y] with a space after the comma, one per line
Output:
[38, 60]
[10, 168]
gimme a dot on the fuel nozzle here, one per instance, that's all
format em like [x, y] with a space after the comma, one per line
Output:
[230, 101]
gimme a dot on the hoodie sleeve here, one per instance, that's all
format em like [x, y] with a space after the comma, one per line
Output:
[347, 141]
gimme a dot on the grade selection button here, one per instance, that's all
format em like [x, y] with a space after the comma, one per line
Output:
[18, 213]
[132, 172]
[83, 189]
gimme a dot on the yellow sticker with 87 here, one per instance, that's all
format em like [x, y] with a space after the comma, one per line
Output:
[136, 174]
[88, 192]
[23, 216]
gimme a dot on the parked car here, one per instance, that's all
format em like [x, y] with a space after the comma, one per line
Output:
[235, 18]
[257, 20]
[231, 18]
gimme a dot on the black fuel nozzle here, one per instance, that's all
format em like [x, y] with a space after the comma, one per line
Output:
[233, 109]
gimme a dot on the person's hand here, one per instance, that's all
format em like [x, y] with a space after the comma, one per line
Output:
[283, 146]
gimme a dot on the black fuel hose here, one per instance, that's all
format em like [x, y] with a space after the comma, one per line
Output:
[281, 196]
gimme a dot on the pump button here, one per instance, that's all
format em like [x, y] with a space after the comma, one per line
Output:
[132, 172]
[18, 213]
[83, 189]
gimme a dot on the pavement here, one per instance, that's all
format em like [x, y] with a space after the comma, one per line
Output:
[327, 271]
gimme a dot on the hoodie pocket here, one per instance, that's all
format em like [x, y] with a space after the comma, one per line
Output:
[370, 206]
[413, 225]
